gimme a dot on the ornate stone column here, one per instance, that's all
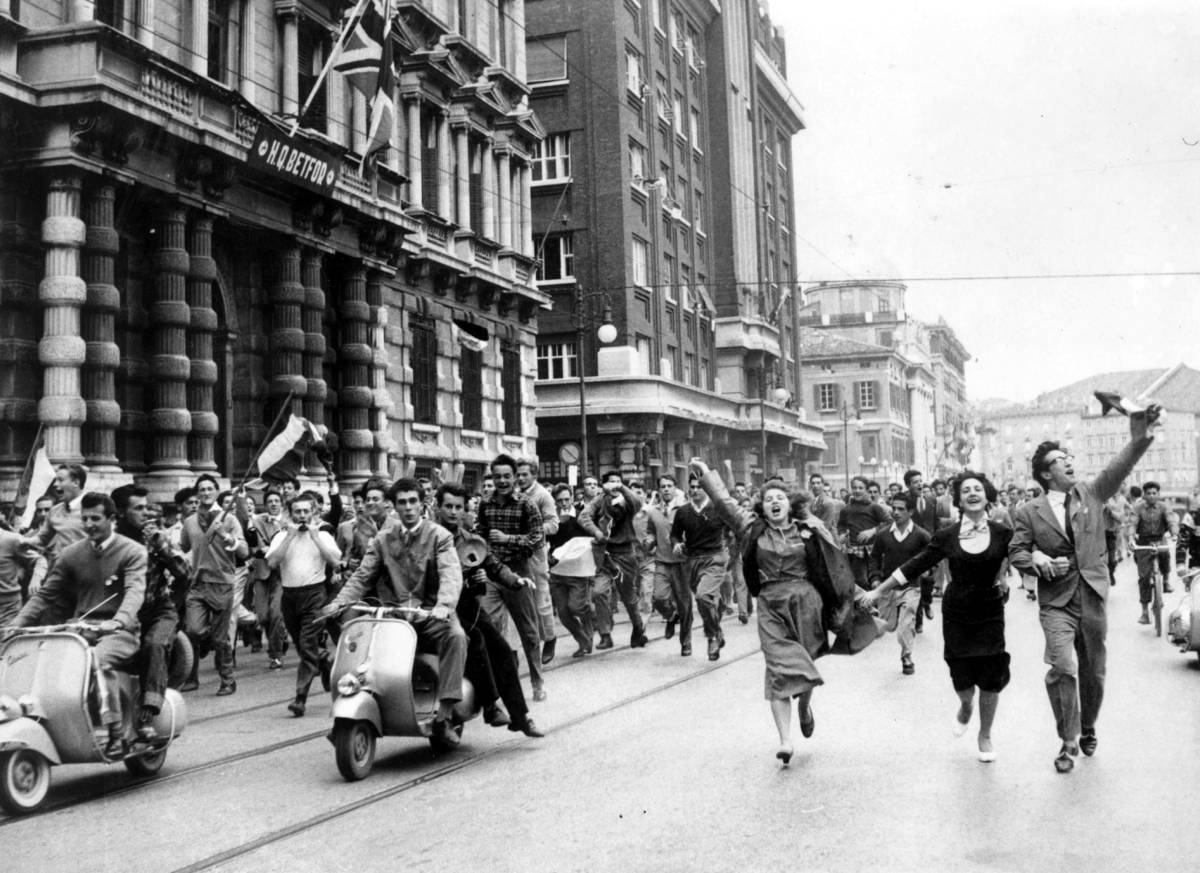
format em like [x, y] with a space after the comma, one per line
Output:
[462, 175]
[525, 244]
[61, 350]
[286, 297]
[489, 190]
[202, 273]
[249, 45]
[355, 396]
[312, 320]
[381, 404]
[445, 205]
[170, 421]
[506, 202]
[290, 86]
[99, 376]
[413, 107]
[198, 57]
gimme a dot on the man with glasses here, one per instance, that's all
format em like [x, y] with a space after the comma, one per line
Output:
[1060, 536]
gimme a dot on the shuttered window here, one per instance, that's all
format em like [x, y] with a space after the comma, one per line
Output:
[510, 383]
[424, 367]
[471, 365]
[312, 50]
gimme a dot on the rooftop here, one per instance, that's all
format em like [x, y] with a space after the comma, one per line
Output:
[823, 344]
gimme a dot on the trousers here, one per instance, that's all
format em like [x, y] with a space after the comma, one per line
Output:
[573, 602]
[705, 575]
[301, 609]
[1076, 653]
[499, 602]
[268, 596]
[490, 664]
[113, 652]
[673, 596]
[620, 574]
[159, 627]
[209, 607]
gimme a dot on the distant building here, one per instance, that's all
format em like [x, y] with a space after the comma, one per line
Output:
[1008, 435]
[663, 190]
[889, 390]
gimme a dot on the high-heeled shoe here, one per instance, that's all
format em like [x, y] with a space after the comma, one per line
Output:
[987, 757]
[960, 727]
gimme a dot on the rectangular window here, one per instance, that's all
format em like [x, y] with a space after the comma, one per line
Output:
[866, 395]
[558, 259]
[557, 361]
[676, 31]
[831, 457]
[689, 368]
[668, 362]
[870, 446]
[827, 397]
[633, 71]
[471, 369]
[222, 33]
[312, 51]
[702, 376]
[677, 120]
[662, 102]
[424, 368]
[546, 59]
[698, 212]
[694, 129]
[637, 164]
[552, 159]
[669, 277]
[510, 383]
[645, 350]
[641, 263]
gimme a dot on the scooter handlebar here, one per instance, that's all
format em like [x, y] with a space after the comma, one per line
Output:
[407, 612]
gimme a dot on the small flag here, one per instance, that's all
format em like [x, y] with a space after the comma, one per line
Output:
[41, 480]
[366, 63]
[283, 456]
[469, 336]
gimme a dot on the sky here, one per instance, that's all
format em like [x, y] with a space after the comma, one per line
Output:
[971, 142]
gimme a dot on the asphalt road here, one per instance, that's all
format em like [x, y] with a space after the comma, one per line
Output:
[656, 762]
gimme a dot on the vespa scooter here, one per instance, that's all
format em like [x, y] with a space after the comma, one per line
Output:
[1183, 625]
[50, 713]
[384, 687]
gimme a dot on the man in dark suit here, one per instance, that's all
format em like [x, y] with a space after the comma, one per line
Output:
[924, 516]
[1060, 536]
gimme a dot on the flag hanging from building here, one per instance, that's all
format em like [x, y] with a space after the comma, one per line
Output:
[366, 63]
[469, 336]
[282, 458]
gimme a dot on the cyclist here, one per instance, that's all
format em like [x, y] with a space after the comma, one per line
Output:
[1152, 522]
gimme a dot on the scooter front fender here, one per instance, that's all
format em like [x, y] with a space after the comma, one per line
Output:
[25, 733]
[361, 706]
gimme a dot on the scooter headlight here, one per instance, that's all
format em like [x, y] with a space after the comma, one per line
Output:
[9, 708]
[348, 685]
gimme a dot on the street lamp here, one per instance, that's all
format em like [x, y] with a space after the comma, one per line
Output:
[606, 333]
[845, 416]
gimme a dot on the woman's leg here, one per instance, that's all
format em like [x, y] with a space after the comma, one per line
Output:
[781, 710]
[987, 713]
[966, 698]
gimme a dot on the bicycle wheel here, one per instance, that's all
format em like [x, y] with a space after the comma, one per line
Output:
[1157, 605]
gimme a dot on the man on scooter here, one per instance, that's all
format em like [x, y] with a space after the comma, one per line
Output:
[490, 665]
[414, 563]
[102, 578]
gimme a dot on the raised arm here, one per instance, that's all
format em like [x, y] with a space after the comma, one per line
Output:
[1109, 481]
[738, 519]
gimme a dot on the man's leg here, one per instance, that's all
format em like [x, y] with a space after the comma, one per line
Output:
[477, 668]
[539, 571]
[627, 582]
[906, 624]
[268, 594]
[1060, 624]
[301, 610]
[448, 639]
[1110, 547]
[221, 606]
[679, 578]
[10, 605]
[503, 668]
[560, 592]
[663, 598]
[523, 609]
[239, 592]
[602, 586]
[113, 652]
[158, 637]
[858, 567]
[1164, 567]
[741, 594]
[1145, 568]
[707, 573]
[1093, 657]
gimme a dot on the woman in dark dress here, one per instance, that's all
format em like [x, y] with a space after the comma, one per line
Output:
[973, 603]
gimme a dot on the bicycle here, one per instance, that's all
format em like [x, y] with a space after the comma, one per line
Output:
[1156, 580]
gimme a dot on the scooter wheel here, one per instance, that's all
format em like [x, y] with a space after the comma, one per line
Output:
[148, 764]
[181, 661]
[354, 748]
[24, 781]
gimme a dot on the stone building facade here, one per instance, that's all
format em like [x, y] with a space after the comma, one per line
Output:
[177, 261]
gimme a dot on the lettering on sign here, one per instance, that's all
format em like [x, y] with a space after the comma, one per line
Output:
[292, 159]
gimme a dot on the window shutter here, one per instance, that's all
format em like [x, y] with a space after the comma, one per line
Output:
[837, 395]
[877, 387]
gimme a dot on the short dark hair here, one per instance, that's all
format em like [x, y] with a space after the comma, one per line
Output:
[871, 483]
[636, 483]
[909, 499]
[295, 483]
[183, 495]
[668, 477]
[76, 472]
[1039, 464]
[454, 489]
[559, 489]
[1146, 486]
[909, 475]
[815, 476]
[736, 484]
[526, 462]
[487, 476]
[92, 499]
[206, 477]
[503, 460]
[122, 495]
[937, 482]
[989, 490]
[375, 483]
[404, 483]
[1135, 491]
[612, 474]
[862, 479]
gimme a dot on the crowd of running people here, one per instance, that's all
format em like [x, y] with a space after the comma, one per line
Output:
[258, 572]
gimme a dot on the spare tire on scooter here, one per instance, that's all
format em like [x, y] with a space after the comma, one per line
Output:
[182, 659]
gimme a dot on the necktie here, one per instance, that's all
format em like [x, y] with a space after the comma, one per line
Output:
[1067, 519]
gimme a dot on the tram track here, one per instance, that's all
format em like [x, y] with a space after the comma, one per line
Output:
[460, 762]
[136, 784]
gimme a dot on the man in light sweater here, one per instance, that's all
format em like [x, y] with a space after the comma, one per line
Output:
[103, 578]
[302, 553]
[539, 563]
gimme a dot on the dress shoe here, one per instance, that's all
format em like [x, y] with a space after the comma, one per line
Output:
[960, 726]
[605, 642]
[638, 640]
[1065, 762]
[115, 747]
[228, 686]
[727, 610]
[907, 667]
[548, 650]
[296, 707]
[808, 722]
[670, 631]
[1168, 589]
[189, 685]
[1144, 618]
[987, 757]
[442, 731]
[495, 716]
[145, 726]
[744, 617]
[579, 653]
[1087, 743]
[274, 664]
[685, 650]
[784, 754]
[526, 727]
[714, 648]
[539, 694]
[326, 668]
[928, 612]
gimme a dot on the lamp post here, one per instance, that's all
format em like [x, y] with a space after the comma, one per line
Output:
[606, 333]
[845, 416]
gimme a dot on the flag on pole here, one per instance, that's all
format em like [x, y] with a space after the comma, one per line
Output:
[469, 336]
[41, 478]
[282, 457]
[366, 63]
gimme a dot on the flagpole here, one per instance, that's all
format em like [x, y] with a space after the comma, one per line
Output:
[26, 479]
[333, 54]
[285, 408]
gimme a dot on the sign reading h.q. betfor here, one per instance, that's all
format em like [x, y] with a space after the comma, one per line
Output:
[292, 159]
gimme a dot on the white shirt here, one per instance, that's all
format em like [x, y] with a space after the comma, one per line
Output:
[1058, 507]
[901, 535]
[302, 564]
